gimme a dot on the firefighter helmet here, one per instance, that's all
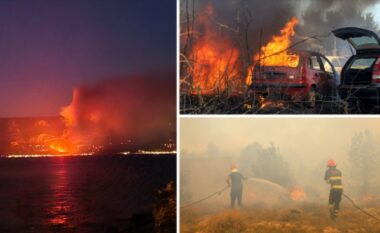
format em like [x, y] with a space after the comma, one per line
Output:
[331, 163]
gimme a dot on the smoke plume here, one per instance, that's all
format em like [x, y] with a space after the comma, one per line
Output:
[252, 23]
[138, 111]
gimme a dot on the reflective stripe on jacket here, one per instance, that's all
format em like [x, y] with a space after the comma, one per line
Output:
[333, 176]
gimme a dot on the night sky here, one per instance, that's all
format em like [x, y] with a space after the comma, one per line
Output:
[49, 47]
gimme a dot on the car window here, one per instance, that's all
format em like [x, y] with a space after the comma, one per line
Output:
[314, 64]
[363, 40]
[327, 66]
[362, 63]
[335, 62]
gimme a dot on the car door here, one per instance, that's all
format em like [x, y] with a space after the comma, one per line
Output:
[331, 77]
[318, 75]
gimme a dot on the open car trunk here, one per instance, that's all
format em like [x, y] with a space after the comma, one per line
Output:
[360, 39]
[359, 70]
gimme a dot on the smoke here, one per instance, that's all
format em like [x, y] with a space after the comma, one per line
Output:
[265, 163]
[336, 14]
[256, 21]
[137, 111]
[296, 158]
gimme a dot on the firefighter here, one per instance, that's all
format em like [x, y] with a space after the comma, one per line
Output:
[333, 176]
[235, 181]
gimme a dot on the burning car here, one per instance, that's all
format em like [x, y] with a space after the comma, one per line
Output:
[360, 77]
[307, 77]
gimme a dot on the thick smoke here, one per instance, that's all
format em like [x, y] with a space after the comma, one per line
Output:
[265, 163]
[137, 112]
[321, 17]
[252, 23]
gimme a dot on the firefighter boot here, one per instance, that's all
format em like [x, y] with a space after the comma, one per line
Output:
[336, 213]
[332, 212]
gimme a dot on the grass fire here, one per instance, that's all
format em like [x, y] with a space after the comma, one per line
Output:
[278, 180]
[215, 59]
[236, 58]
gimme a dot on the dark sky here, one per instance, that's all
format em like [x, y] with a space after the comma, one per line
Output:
[49, 47]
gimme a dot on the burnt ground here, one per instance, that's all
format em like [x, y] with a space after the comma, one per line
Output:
[300, 218]
[240, 104]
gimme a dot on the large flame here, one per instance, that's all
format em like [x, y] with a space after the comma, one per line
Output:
[275, 53]
[39, 137]
[214, 57]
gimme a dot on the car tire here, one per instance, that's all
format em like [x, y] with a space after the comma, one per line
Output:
[311, 98]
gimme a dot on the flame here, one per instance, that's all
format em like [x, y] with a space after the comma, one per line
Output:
[42, 123]
[297, 194]
[275, 52]
[264, 103]
[214, 57]
[59, 147]
[39, 137]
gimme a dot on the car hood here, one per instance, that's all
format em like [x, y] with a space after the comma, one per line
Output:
[359, 38]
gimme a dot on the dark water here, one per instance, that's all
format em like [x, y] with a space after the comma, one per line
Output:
[79, 194]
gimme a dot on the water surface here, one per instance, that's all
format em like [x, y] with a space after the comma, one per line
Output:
[79, 194]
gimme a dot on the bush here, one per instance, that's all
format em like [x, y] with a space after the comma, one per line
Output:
[165, 210]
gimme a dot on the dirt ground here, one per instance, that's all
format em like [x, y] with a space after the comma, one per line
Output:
[302, 218]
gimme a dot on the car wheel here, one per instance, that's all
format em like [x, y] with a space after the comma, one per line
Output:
[311, 98]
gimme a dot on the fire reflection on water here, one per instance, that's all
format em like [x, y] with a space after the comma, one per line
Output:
[61, 201]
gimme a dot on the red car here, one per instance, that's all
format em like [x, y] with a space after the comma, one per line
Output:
[312, 80]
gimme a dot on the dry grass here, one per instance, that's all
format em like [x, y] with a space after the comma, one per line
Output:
[223, 103]
[306, 218]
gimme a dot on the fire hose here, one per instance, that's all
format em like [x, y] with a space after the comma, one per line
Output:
[205, 198]
[226, 187]
[357, 207]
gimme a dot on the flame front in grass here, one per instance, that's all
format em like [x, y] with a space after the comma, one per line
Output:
[275, 53]
[297, 194]
[214, 57]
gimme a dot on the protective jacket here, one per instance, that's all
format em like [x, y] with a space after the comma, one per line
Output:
[333, 176]
[235, 180]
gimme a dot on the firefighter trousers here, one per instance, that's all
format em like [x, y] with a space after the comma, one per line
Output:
[334, 200]
[236, 195]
